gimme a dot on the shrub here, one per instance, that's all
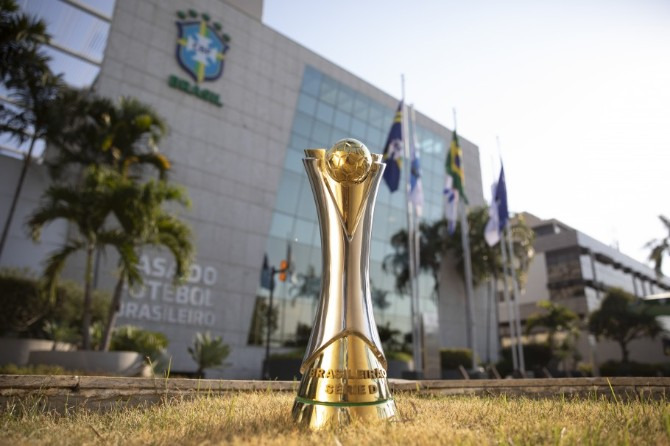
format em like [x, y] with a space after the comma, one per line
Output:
[208, 352]
[28, 312]
[617, 368]
[398, 356]
[151, 344]
[298, 353]
[23, 301]
[11, 369]
[536, 356]
[451, 358]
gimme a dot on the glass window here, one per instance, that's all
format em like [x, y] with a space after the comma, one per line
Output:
[379, 115]
[10, 146]
[306, 208]
[361, 107]
[342, 120]
[378, 250]
[321, 133]
[306, 104]
[71, 27]
[298, 142]
[281, 225]
[374, 140]
[345, 99]
[334, 111]
[311, 82]
[339, 134]
[358, 129]
[328, 91]
[325, 112]
[287, 195]
[302, 124]
[303, 231]
[293, 161]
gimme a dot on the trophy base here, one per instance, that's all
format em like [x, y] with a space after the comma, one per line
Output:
[344, 383]
[316, 415]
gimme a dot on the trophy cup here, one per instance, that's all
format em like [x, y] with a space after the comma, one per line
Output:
[344, 368]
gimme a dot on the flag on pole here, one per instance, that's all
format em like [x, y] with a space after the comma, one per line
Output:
[393, 152]
[498, 213]
[454, 167]
[492, 230]
[416, 188]
[453, 183]
[501, 199]
[450, 204]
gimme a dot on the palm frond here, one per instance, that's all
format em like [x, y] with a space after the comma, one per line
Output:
[56, 262]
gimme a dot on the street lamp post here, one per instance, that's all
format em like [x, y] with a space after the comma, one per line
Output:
[273, 271]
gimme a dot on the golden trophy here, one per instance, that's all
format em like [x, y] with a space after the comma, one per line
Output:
[344, 368]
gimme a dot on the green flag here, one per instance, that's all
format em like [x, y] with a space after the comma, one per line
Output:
[454, 167]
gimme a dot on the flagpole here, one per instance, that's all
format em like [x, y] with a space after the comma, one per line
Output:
[515, 305]
[465, 241]
[416, 349]
[506, 236]
[417, 338]
[467, 261]
[510, 311]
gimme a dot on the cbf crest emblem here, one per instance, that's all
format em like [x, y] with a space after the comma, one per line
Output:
[201, 47]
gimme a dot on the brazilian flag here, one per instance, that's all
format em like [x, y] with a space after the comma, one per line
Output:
[454, 166]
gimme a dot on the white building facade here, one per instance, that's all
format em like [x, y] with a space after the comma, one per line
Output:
[242, 102]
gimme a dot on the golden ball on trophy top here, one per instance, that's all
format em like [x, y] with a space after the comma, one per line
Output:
[348, 161]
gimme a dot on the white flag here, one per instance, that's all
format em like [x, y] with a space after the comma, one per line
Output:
[450, 203]
[492, 230]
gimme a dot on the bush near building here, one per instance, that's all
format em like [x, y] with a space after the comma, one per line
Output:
[451, 358]
[536, 357]
[28, 311]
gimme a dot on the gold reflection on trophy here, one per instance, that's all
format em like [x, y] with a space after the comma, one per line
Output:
[344, 368]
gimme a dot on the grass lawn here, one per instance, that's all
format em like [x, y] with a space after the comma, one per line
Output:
[264, 418]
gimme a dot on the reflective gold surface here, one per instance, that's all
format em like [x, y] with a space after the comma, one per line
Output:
[348, 161]
[344, 369]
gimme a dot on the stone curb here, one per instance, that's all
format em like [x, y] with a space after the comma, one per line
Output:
[63, 393]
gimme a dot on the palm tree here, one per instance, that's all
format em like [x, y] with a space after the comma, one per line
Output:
[88, 207]
[436, 242]
[98, 131]
[20, 37]
[144, 222]
[660, 247]
[31, 89]
[124, 137]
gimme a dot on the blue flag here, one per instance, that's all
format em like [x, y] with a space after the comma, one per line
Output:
[393, 152]
[501, 200]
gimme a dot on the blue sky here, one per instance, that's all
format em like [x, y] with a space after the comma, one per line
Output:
[578, 93]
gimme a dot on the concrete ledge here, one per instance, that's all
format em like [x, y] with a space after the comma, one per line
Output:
[67, 392]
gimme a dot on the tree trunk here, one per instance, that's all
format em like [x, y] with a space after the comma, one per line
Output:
[114, 308]
[15, 198]
[88, 298]
[624, 351]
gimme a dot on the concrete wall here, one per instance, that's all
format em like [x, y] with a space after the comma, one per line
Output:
[453, 314]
